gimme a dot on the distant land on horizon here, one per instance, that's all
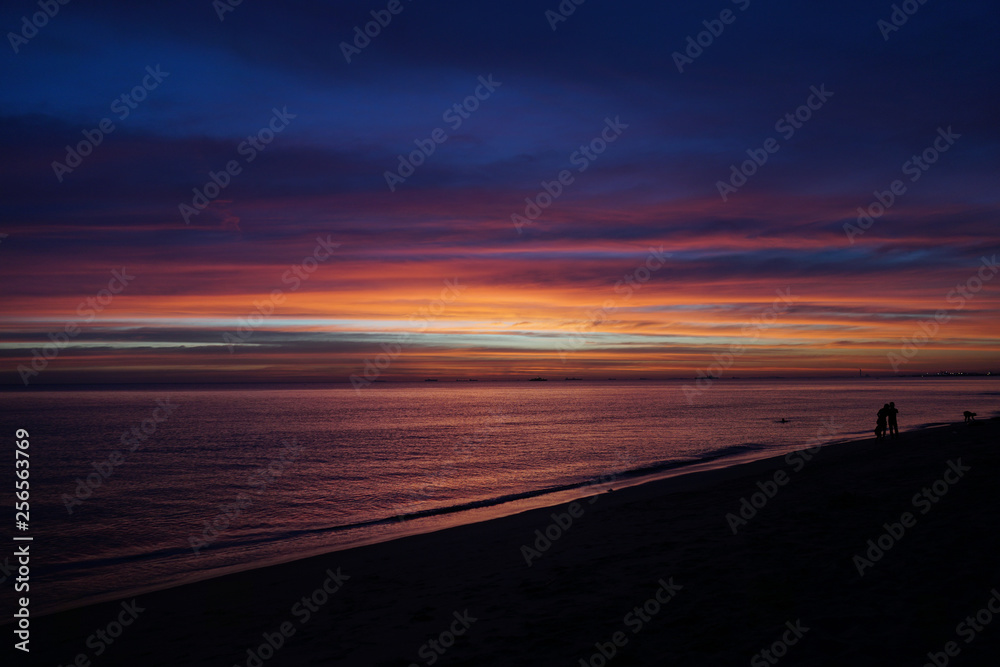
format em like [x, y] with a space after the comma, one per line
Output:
[9, 386]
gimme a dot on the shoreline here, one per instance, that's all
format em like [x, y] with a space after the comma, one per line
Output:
[612, 543]
[474, 512]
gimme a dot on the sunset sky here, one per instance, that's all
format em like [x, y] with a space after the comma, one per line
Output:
[642, 266]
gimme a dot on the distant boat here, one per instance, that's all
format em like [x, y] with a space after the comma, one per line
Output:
[573, 379]
[538, 380]
[431, 380]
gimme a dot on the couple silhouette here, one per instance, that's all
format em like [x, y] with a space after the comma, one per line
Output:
[887, 421]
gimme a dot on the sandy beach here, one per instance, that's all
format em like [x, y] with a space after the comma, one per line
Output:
[859, 553]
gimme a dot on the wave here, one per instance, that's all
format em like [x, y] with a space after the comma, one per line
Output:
[243, 540]
[626, 473]
[600, 483]
[644, 470]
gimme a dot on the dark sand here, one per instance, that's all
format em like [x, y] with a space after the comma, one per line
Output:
[792, 562]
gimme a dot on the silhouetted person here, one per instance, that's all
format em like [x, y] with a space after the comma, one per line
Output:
[880, 423]
[893, 426]
[969, 416]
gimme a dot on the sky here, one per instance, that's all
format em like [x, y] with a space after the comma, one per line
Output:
[197, 191]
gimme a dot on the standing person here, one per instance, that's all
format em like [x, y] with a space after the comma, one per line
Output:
[881, 421]
[893, 426]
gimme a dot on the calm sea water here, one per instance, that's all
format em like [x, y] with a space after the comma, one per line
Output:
[242, 476]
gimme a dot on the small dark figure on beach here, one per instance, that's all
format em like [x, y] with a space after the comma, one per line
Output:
[969, 416]
[893, 426]
[880, 423]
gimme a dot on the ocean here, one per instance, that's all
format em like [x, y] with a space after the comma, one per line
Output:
[144, 487]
